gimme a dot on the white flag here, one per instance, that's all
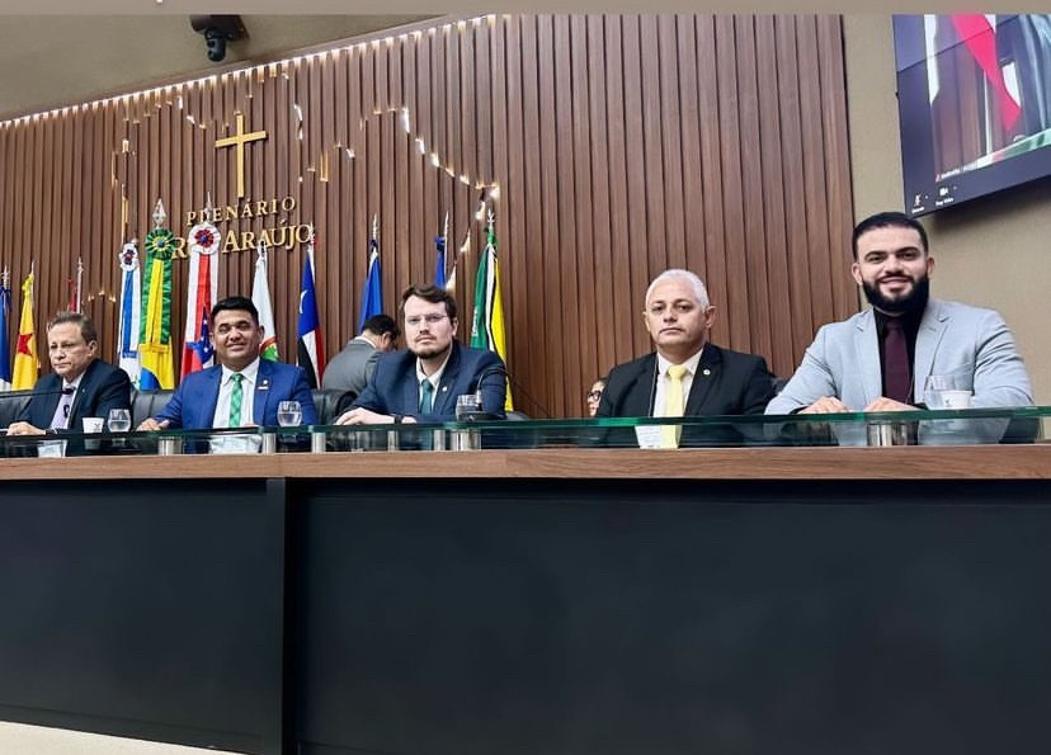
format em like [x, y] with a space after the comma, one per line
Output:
[261, 300]
[130, 311]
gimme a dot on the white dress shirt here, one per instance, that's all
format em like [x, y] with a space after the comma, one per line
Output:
[221, 418]
[659, 398]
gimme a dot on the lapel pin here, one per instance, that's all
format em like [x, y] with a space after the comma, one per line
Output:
[706, 372]
[445, 388]
[264, 385]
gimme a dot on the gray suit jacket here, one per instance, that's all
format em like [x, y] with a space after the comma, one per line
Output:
[351, 369]
[976, 344]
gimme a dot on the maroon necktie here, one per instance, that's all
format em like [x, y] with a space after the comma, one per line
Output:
[896, 378]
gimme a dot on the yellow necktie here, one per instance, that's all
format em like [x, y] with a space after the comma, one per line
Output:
[674, 406]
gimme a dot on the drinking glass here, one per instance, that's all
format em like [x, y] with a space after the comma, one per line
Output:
[119, 420]
[468, 406]
[947, 392]
[289, 414]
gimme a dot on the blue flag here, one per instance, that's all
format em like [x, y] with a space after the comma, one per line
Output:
[5, 343]
[439, 269]
[310, 346]
[372, 293]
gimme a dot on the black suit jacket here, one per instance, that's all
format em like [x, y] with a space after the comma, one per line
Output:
[103, 387]
[735, 383]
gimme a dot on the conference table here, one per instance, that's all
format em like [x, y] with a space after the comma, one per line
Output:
[781, 587]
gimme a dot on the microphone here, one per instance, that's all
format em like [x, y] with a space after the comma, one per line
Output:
[29, 395]
[514, 383]
[479, 412]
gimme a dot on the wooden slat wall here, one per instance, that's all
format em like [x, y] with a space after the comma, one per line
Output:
[617, 146]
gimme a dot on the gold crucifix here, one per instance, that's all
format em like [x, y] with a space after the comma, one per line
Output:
[240, 139]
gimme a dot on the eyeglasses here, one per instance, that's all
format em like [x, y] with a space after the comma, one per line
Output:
[593, 395]
[431, 319]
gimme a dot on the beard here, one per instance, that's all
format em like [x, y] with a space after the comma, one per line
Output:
[430, 351]
[914, 301]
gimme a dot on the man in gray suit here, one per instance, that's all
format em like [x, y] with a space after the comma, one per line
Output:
[880, 358]
[351, 369]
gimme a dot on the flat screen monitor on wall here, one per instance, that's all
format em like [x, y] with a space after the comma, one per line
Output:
[974, 100]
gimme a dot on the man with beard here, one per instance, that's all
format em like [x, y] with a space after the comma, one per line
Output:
[421, 383]
[880, 358]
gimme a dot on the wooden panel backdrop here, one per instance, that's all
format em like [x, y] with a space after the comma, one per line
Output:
[610, 148]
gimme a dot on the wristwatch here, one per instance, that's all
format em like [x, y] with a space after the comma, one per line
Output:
[397, 418]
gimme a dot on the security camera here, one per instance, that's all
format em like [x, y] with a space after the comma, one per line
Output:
[217, 31]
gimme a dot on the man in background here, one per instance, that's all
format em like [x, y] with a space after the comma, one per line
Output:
[351, 369]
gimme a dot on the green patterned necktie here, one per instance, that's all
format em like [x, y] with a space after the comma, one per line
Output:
[426, 396]
[235, 400]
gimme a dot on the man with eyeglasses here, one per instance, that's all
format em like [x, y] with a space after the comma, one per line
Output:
[82, 385]
[421, 383]
[687, 375]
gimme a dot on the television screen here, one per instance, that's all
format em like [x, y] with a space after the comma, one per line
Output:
[974, 100]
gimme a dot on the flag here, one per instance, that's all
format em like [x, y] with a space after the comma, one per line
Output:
[5, 345]
[979, 37]
[310, 346]
[440, 244]
[26, 364]
[201, 293]
[75, 286]
[157, 367]
[261, 300]
[129, 324]
[487, 328]
[450, 282]
[372, 293]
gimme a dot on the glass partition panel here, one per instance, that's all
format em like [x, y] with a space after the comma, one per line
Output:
[923, 428]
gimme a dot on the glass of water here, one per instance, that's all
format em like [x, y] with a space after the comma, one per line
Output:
[947, 392]
[119, 420]
[289, 414]
[468, 407]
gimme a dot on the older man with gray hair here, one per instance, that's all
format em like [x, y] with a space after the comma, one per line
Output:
[687, 375]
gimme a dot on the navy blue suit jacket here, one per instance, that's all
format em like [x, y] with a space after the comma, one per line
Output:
[193, 405]
[102, 388]
[394, 390]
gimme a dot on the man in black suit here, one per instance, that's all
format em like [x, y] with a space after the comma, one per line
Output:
[687, 375]
[81, 385]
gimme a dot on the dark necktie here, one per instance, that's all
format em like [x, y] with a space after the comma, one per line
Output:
[426, 396]
[60, 421]
[897, 377]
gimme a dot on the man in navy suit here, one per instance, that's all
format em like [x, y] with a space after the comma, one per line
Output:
[421, 383]
[82, 385]
[242, 390]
